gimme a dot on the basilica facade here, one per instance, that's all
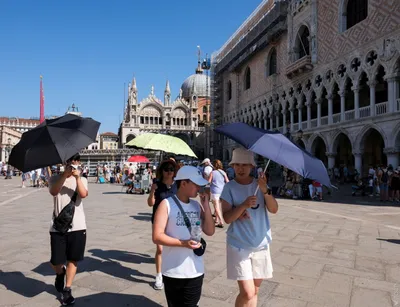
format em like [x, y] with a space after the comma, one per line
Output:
[325, 73]
[184, 117]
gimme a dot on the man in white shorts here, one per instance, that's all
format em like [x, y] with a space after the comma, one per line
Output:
[249, 232]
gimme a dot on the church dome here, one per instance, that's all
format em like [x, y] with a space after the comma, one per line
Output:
[199, 82]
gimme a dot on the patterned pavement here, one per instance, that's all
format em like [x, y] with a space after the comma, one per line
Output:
[324, 254]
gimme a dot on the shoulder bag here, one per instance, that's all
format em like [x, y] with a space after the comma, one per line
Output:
[198, 251]
[63, 222]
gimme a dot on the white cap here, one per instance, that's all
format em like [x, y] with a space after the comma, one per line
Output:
[191, 173]
[206, 160]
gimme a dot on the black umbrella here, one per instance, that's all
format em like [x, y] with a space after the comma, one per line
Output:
[53, 141]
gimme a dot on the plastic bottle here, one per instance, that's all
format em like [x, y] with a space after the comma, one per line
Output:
[196, 232]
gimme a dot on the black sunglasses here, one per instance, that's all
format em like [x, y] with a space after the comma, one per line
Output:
[169, 169]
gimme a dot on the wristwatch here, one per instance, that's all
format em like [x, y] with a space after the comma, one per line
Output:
[269, 191]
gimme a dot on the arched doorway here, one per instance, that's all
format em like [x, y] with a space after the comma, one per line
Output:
[344, 150]
[372, 144]
[130, 137]
[318, 149]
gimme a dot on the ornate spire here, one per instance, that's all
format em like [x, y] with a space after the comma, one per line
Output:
[133, 86]
[199, 70]
[167, 88]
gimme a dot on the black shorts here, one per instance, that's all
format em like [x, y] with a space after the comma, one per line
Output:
[183, 291]
[67, 247]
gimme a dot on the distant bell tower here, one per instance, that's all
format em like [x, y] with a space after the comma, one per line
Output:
[167, 95]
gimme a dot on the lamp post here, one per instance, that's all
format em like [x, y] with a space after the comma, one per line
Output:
[8, 151]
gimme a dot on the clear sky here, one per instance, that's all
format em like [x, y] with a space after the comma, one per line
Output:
[87, 49]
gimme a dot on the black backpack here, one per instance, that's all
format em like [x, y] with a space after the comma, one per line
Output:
[384, 177]
[63, 222]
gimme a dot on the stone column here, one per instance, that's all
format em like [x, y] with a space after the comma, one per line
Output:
[356, 91]
[318, 101]
[265, 123]
[291, 118]
[331, 159]
[358, 161]
[392, 155]
[284, 121]
[271, 121]
[330, 108]
[308, 114]
[299, 108]
[342, 105]
[372, 85]
[277, 119]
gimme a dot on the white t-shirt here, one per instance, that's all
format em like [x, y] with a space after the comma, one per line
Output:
[64, 197]
[181, 262]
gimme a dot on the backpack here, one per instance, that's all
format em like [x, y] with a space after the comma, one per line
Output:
[384, 177]
[63, 222]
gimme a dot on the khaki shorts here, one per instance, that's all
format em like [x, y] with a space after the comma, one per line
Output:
[245, 264]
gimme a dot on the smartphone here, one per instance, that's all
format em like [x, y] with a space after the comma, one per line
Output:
[75, 166]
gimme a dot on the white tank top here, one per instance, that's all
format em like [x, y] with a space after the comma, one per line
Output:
[181, 262]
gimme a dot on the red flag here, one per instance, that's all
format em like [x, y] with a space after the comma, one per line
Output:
[41, 101]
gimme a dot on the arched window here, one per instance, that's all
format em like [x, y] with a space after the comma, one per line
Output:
[229, 90]
[357, 10]
[247, 78]
[204, 117]
[303, 42]
[204, 109]
[272, 63]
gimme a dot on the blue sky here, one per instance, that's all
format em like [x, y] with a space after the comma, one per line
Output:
[86, 50]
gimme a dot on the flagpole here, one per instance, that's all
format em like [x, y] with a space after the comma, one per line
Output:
[41, 100]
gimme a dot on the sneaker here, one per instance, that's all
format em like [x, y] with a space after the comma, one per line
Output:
[67, 298]
[59, 283]
[158, 285]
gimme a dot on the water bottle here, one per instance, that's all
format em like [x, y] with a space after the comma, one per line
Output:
[195, 234]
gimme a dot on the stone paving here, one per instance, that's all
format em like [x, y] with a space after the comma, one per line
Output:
[324, 254]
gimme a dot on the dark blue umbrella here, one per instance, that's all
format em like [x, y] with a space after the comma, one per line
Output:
[278, 148]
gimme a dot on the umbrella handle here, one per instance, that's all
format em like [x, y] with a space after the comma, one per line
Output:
[265, 169]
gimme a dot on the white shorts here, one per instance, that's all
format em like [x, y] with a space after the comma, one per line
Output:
[215, 197]
[245, 264]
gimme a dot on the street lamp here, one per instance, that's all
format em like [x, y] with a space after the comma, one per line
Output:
[8, 151]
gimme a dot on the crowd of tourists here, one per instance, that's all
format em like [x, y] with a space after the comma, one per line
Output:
[178, 221]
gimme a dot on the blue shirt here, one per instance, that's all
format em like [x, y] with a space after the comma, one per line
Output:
[218, 181]
[253, 233]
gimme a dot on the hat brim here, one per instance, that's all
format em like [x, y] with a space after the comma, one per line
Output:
[199, 181]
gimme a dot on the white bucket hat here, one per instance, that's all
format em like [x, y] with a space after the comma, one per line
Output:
[242, 156]
[191, 173]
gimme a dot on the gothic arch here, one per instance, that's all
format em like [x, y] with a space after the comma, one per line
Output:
[312, 139]
[359, 141]
[335, 138]
[395, 137]
[152, 104]
[302, 41]
[343, 14]
[272, 62]
[129, 137]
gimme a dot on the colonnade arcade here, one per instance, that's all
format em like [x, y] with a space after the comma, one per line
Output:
[363, 88]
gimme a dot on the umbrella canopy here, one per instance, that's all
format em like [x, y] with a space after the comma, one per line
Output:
[278, 148]
[139, 159]
[162, 142]
[53, 141]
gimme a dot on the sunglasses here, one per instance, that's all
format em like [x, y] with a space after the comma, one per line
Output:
[169, 169]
